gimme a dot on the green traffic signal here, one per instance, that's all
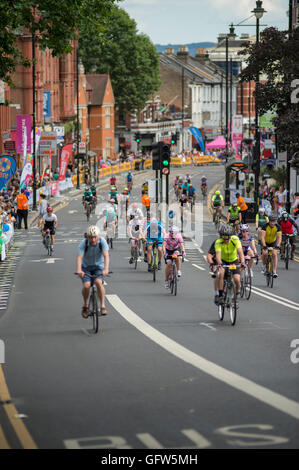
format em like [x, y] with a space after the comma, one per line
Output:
[165, 162]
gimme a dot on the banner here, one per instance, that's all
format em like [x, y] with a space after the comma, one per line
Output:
[46, 104]
[26, 175]
[237, 132]
[23, 134]
[197, 134]
[7, 169]
[64, 159]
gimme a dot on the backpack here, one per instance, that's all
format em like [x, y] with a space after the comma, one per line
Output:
[86, 246]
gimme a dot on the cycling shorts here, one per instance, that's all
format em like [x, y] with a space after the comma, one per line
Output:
[292, 238]
[271, 245]
[49, 227]
[150, 241]
[92, 272]
[236, 263]
[169, 254]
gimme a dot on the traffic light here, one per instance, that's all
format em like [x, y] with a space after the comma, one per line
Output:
[173, 139]
[137, 137]
[165, 158]
[156, 162]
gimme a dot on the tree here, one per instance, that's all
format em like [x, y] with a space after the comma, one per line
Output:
[276, 57]
[130, 59]
[54, 25]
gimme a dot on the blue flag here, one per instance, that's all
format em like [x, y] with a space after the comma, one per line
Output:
[7, 169]
[197, 134]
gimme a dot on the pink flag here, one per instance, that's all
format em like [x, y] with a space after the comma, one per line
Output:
[64, 159]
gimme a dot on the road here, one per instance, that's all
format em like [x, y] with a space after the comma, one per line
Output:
[163, 372]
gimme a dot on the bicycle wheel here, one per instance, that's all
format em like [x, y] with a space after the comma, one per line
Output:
[93, 310]
[154, 265]
[87, 212]
[286, 254]
[243, 283]
[136, 255]
[174, 280]
[111, 243]
[233, 305]
[221, 307]
[248, 283]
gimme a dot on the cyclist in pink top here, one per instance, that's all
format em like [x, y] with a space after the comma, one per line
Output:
[173, 243]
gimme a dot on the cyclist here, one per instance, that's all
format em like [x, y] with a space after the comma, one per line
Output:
[124, 201]
[287, 225]
[93, 189]
[228, 251]
[234, 216]
[211, 259]
[93, 260]
[204, 185]
[86, 175]
[260, 220]
[133, 211]
[50, 222]
[146, 201]
[113, 194]
[183, 201]
[173, 243]
[135, 233]
[248, 245]
[217, 202]
[129, 179]
[110, 222]
[154, 231]
[191, 191]
[176, 185]
[271, 237]
[187, 178]
[87, 197]
[113, 181]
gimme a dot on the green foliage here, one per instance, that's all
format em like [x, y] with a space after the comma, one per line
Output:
[279, 175]
[130, 59]
[276, 58]
[54, 24]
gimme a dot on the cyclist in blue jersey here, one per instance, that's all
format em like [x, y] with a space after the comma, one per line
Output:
[191, 191]
[154, 231]
[129, 179]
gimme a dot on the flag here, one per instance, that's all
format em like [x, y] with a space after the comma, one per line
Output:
[7, 169]
[197, 134]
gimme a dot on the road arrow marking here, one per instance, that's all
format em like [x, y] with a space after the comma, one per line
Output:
[47, 260]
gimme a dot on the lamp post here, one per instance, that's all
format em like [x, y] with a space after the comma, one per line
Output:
[34, 208]
[258, 13]
[77, 123]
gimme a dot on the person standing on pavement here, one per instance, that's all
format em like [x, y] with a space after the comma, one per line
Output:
[22, 211]
[243, 207]
[93, 260]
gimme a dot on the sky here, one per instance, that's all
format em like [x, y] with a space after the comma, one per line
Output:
[188, 21]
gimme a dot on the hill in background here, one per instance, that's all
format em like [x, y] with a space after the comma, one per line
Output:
[192, 47]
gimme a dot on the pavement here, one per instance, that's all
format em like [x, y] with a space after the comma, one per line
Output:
[163, 372]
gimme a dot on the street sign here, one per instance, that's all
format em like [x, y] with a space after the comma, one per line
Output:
[82, 147]
[48, 141]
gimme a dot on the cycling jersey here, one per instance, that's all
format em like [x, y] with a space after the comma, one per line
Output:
[229, 251]
[212, 251]
[135, 228]
[246, 244]
[261, 220]
[271, 232]
[49, 220]
[133, 213]
[191, 191]
[216, 200]
[287, 225]
[154, 231]
[129, 178]
[204, 182]
[87, 196]
[173, 243]
[233, 214]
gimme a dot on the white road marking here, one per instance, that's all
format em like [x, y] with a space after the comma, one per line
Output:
[198, 267]
[277, 296]
[208, 325]
[268, 297]
[236, 381]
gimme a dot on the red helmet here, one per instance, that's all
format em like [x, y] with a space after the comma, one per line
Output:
[49, 209]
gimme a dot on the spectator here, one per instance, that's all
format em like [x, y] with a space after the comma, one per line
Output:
[243, 206]
[22, 211]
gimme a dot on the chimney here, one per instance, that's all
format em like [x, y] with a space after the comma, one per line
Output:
[183, 51]
[200, 52]
[169, 50]
[221, 37]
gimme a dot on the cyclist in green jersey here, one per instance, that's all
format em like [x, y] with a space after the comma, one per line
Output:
[113, 194]
[87, 197]
[234, 216]
[217, 202]
[261, 219]
[229, 251]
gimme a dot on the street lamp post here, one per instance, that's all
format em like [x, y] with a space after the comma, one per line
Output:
[258, 13]
[34, 208]
[77, 123]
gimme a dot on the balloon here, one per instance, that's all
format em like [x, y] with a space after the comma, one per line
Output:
[5, 228]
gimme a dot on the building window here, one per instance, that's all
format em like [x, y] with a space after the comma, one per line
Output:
[108, 148]
[107, 117]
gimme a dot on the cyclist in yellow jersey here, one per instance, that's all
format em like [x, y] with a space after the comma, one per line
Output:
[271, 237]
[228, 251]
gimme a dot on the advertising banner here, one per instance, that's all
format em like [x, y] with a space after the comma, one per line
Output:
[64, 159]
[26, 174]
[54, 188]
[237, 126]
[46, 104]
[7, 169]
[197, 134]
[23, 134]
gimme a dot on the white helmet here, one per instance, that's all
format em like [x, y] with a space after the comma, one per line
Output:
[93, 231]
[262, 210]
[110, 210]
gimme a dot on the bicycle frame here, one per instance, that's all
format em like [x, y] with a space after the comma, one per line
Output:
[229, 294]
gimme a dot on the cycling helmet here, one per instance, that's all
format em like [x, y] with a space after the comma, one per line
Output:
[204, 177]
[134, 206]
[225, 230]
[284, 214]
[110, 210]
[86, 188]
[217, 193]
[112, 201]
[173, 229]
[272, 218]
[234, 204]
[262, 210]
[49, 209]
[93, 231]
[244, 227]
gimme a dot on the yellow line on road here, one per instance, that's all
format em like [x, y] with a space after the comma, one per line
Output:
[19, 427]
[3, 442]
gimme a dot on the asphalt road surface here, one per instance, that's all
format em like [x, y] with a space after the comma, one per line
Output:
[163, 372]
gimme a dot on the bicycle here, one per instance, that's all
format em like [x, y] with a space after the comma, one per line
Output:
[173, 277]
[110, 235]
[93, 309]
[229, 295]
[88, 210]
[287, 250]
[246, 280]
[217, 219]
[269, 268]
[204, 192]
[191, 200]
[233, 224]
[47, 242]
[154, 261]
[136, 253]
